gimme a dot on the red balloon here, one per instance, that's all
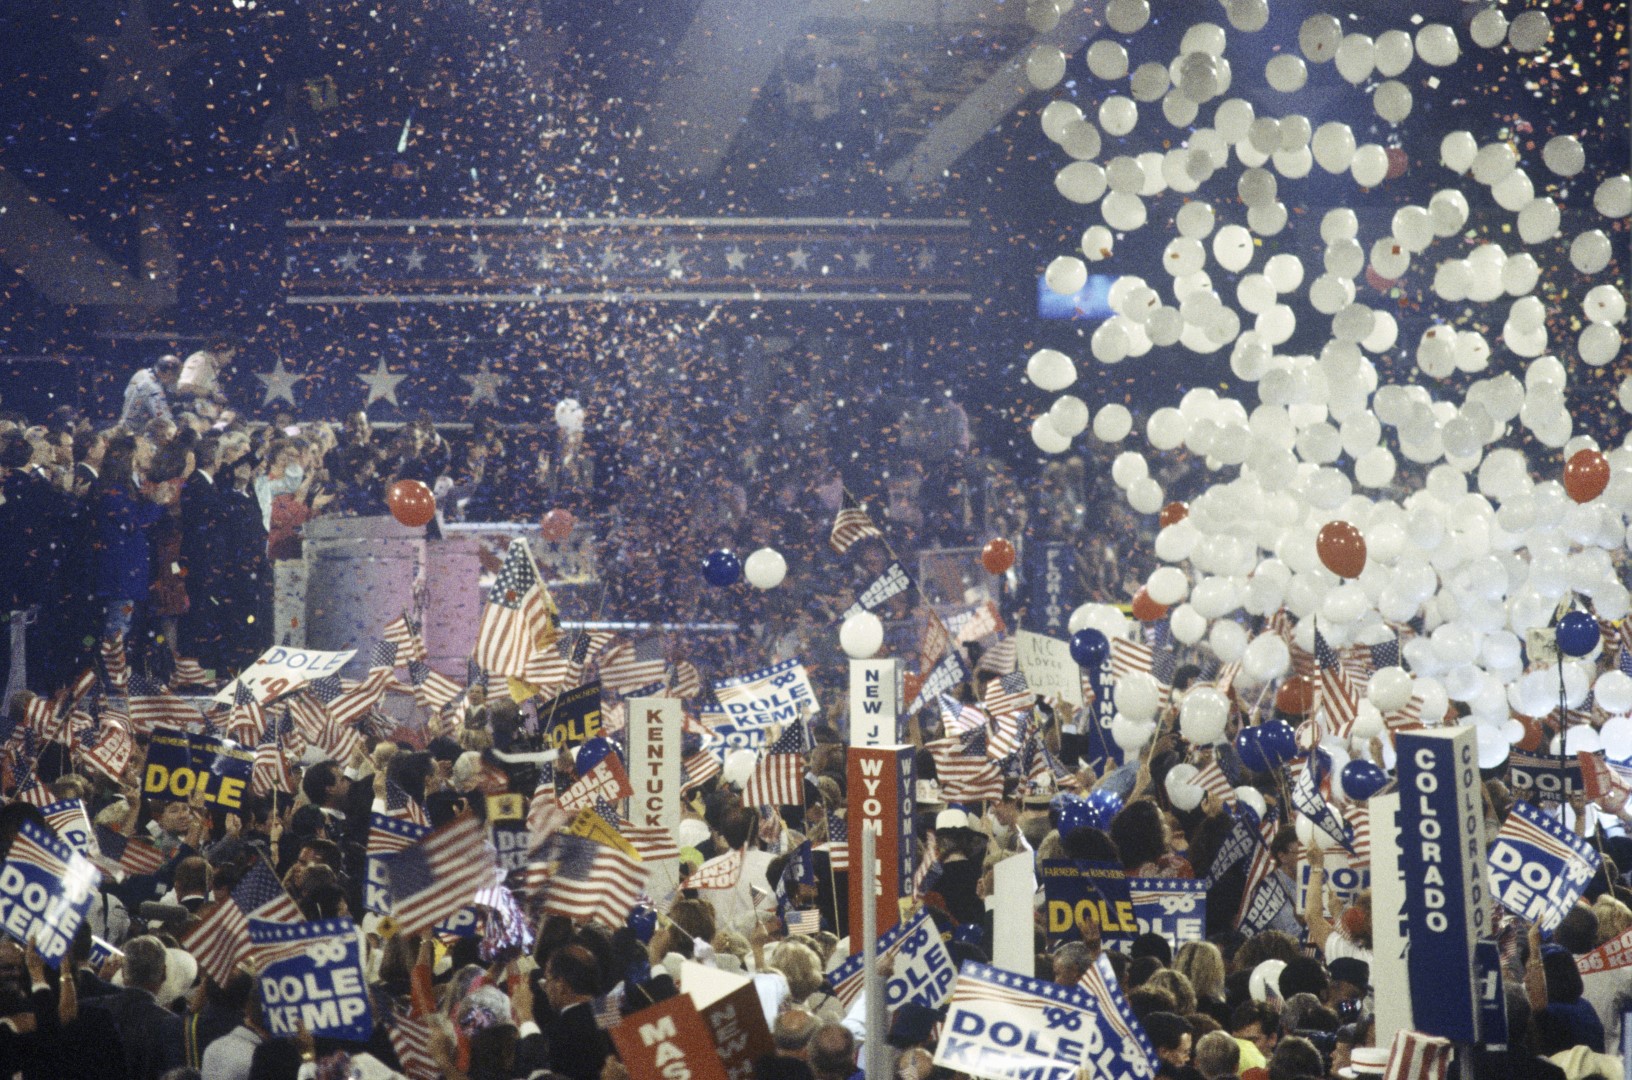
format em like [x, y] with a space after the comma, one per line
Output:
[1586, 475]
[1145, 609]
[1341, 548]
[1173, 513]
[557, 525]
[1533, 735]
[911, 683]
[411, 502]
[1397, 163]
[1296, 695]
[997, 556]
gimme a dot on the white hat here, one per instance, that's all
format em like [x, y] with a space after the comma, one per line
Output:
[180, 973]
[928, 795]
[951, 819]
[1266, 980]
[1366, 1061]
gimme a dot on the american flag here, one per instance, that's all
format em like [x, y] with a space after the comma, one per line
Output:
[348, 706]
[247, 718]
[271, 771]
[1009, 695]
[1359, 815]
[70, 822]
[698, 768]
[82, 686]
[151, 705]
[411, 1039]
[388, 834]
[561, 663]
[851, 526]
[1001, 658]
[310, 717]
[606, 780]
[1211, 779]
[1164, 657]
[778, 778]
[838, 843]
[127, 854]
[1007, 735]
[1128, 657]
[113, 662]
[965, 772]
[654, 842]
[802, 923]
[221, 941]
[519, 617]
[583, 879]
[1258, 871]
[438, 875]
[399, 804]
[1415, 1056]
[956, 717]
[1385, 654]
[688, 681]
[404, 633]
[720, 872]
[189, 673]
[629, 665]
[432, 689]
[1336, 694]
[545, 807]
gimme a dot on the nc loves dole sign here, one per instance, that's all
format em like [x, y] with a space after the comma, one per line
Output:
[282, 669]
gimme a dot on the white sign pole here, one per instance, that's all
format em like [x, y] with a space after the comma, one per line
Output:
[875, 1051]
[1013, 888]
[1388, 969]
[875, 702]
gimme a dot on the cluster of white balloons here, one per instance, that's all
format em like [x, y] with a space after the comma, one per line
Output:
[1481, 550]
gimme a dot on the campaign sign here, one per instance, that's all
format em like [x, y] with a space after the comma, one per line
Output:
[1051, 573]
[892, 582]
[72, 824]
[574, 717]
[923, 972]
[775, 695]
[1005, 1026]
[1175, 908]
[377, 890]
[1441, 825]
[1612, 955]
[1046, 662]
[282, 669]
[507, 822]
[669, 1039]
[1079, 892]
[729, 737]
[1528, 775]
[177, 763]
[1538, 868]
[1347, 880]
[102, 951]
[1123, 1051]
[312, 978]
[45, 890]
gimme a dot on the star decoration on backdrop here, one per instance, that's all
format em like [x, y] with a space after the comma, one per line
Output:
[864, 259]
[137, 66]
[672, 261]
[610, 257]
[279, 383]
[348, 262]
[800, 258]
[925, 259]
[736, 258]
[416, 259]
[485, 384]
[544, 261]
[479, 260]
[382, 385]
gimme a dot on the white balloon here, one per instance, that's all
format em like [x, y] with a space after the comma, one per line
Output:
[1563, 155]
[1203, 715]
[1530, 31]
[1188, 624]
[1392, 101]
[1107, 59]
[1057, 116]
[1150, 81]
[861, 635]
[1069, 416]
[1138, 696]
[765, 568]
[1333, 145]
[1488, 28]
[1182, 790]
[1118, 114]
[1286, 73]
[1355, 58]
[1066, 275]
[1437, 45]
[1457, 151]
[1097, 243]
[1266, 658]
[1613, 199]
[739, 766]
[1051, 370]
[1591, 251]
[1127, 16]
[1233, 248]
[1167, 585]
[1319, 37]
[1599, 344]
[1130, 736]
[1394, 53]
[1047, 438]
[1253, 798]
[1369, 167]
[1045, 67]
[1113, 422]
[1081, 181]
[1227, 640]
[1102, 617]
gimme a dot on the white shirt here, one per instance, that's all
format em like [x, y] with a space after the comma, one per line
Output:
[228, 1057]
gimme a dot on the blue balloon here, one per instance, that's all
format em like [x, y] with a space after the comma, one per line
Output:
[592, 753]
[1066, 812]
[1577, 634]
[1254, 754]
[970, 934]
[1101, 806]
[643, 921]
[722, 568]
[1089, 648]
[1362, 780]
[1279, 741]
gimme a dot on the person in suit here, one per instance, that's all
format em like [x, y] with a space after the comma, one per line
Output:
[201, 524]
[151, 1035]
[577, 1047]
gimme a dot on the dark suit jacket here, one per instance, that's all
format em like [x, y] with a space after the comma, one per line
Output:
[578, 1048]
[151, 1034]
